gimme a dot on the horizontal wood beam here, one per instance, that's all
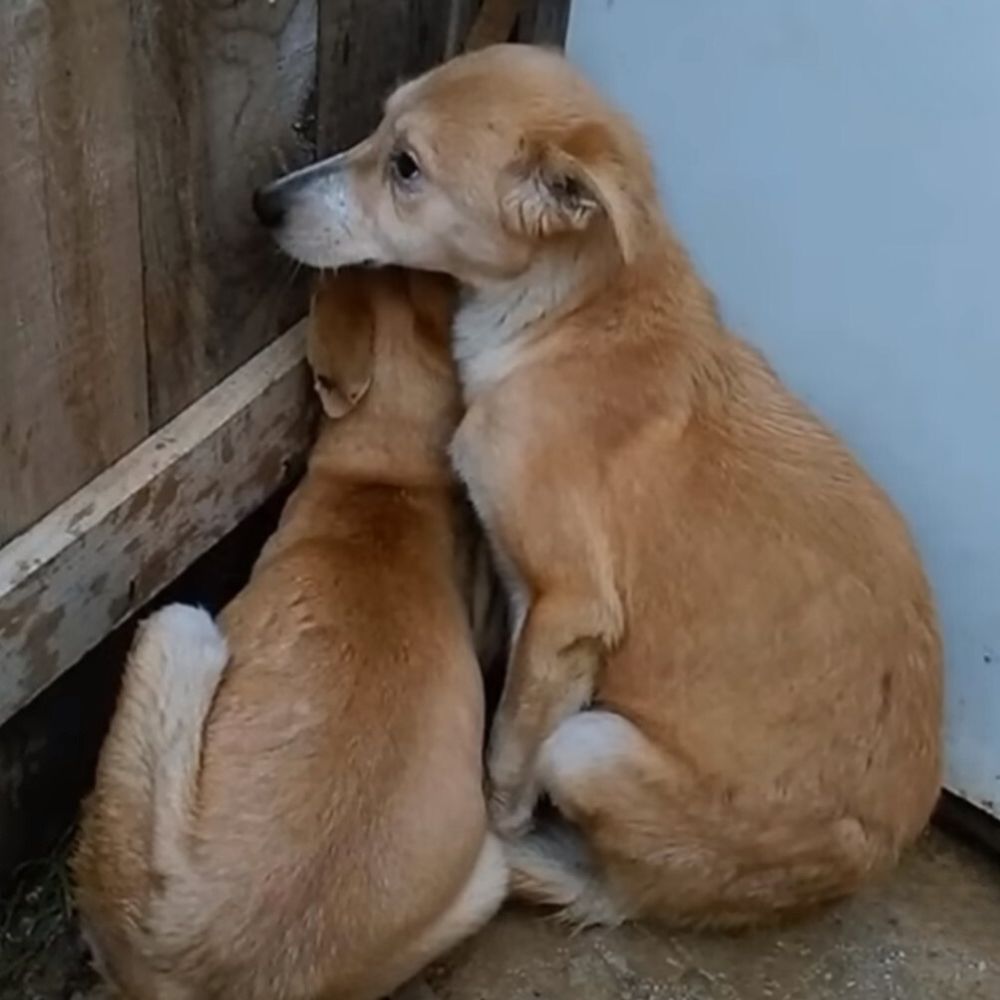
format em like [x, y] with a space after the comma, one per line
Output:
[95, 559]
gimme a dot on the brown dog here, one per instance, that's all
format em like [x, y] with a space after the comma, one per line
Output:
[307, 819]
[726, 669]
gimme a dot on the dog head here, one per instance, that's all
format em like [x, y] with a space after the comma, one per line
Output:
[474, 165]
[382, 333]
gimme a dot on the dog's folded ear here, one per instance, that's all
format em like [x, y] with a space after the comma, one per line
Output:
[567, 182]
[341, 338]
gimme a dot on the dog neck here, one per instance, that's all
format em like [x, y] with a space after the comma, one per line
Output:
[495, 321]
[376, 448]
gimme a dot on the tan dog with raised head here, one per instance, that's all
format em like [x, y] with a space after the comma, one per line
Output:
[726, 667]
[292, 807]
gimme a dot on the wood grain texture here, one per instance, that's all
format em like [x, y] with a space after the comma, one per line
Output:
[221, 88]
[71, 578]
[366, 48]
[117, 211]
[72, 357]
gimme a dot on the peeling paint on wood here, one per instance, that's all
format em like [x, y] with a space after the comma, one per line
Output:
[107, 550]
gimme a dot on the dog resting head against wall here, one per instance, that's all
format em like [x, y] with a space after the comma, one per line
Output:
[726, 666]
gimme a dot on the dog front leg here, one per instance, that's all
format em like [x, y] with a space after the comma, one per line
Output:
[553, 672]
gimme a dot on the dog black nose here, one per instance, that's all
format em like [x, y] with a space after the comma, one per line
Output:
[269, 205]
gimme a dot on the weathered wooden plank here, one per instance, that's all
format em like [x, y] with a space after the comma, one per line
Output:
[221, 87]
[365, 50]
[49, 748]
[544, 22]
[72, 356]
[67, 581]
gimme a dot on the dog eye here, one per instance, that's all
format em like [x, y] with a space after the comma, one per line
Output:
[404, 166]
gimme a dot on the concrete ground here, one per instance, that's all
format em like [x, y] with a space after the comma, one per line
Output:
[932, 932]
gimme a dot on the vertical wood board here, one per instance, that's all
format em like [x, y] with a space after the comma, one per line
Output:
[366, 49]
[72, 357]
[223, 91]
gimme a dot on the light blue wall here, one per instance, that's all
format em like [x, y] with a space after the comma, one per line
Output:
[834, 166]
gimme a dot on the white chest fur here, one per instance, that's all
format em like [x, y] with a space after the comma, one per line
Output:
[477, 462]
[495, 326]
[487, 335]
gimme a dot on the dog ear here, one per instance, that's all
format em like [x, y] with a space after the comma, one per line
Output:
[567, 183]
[341, 341]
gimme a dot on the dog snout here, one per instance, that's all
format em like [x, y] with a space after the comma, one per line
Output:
[270, 204]
[314, 215]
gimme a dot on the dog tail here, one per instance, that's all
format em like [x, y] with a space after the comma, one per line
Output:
[137, 822]
[551, 867]
[153, 754]
[175, 665]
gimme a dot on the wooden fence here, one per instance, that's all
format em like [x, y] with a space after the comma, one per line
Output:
[149, 394]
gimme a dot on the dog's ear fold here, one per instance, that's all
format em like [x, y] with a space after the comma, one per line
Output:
[568, 182]
[341, 341]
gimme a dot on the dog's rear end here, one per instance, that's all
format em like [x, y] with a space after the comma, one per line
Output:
[137, 818]
[313, 825]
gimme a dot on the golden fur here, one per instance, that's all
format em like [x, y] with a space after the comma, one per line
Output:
[307, 819]
[726, 668]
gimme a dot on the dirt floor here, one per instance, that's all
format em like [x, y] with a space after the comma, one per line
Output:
[931, 933]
